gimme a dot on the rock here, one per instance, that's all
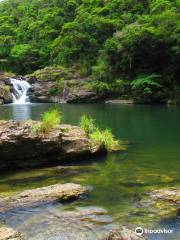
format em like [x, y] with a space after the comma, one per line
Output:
[59, 221]
[169, 195]
[20, 146]
[10, 234]
[120, 101]
[124, 233]
[174, 101]
[61, 85]
[72, 91]
[5, 87]
[38, 196]
[164, 203]
[40, 91]
[81, 95]
[5, 93]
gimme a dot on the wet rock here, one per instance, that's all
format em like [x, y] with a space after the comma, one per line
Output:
[38, 196]
[5, 87]
[72, 91]
[66, 222]
[20, 146]
[40, 91]
[169, 195]
[5, 93]
[163, 202]
[124, 233]
[10, 234]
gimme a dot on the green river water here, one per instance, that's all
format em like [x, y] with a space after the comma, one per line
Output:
[151, 161]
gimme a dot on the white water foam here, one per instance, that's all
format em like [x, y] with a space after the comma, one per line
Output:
[20, 89]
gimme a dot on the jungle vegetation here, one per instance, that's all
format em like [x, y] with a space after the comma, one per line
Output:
[124, 45]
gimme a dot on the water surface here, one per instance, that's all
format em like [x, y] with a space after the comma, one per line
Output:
[151, 161]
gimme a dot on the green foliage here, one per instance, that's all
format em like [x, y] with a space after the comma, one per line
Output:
[58, 88]
[146, 86]
[104, 138]
[109, 40]
[56, 73]
[87, 124]
[49, 121]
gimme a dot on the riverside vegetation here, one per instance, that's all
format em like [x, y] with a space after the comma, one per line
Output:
[50, 120]
[104, 138]
[122, 49]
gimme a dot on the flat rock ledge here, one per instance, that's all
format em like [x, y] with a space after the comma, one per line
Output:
[38, 196]
[10, 234]
[123, 233]
[20, 146]
[119, 101]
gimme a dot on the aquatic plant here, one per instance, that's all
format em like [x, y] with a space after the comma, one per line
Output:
[49, 121]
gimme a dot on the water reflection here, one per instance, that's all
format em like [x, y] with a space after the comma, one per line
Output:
[21, 111]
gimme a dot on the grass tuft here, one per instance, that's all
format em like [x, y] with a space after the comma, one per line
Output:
[87, 124]
[104, 138]
[49, 121]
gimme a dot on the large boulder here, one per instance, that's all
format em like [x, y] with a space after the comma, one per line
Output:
[21, 146]
[35, 197]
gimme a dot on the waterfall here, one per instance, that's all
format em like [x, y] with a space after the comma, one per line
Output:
[20, 88]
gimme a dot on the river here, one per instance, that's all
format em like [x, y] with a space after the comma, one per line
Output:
[151, 161]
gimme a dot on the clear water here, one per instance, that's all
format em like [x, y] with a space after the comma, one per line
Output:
[151, 161]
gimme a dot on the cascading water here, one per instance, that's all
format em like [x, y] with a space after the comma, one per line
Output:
[20, 89]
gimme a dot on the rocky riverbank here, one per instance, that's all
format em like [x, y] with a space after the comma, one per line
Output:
[62, 85]
[20, 146]
[52, 85]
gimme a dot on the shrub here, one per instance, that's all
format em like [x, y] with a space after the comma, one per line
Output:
[49, 121]
[87, 124]
[146, 87]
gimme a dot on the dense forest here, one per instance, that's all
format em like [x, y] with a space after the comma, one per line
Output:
[124, 45]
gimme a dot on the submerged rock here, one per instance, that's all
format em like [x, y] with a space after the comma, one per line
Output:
[164, 203]
[124, 233]
[169, 195]
[34, 197]
[62, 222]
[10, 234]
[21, 147]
